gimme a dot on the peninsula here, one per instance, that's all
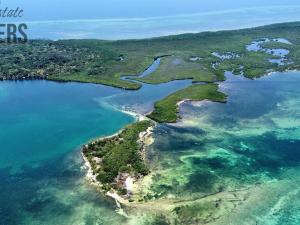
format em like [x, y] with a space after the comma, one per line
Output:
[202, 58]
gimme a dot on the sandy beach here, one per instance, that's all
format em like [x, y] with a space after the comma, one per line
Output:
[145, 138]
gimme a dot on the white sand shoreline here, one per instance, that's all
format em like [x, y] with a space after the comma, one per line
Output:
[145, 137]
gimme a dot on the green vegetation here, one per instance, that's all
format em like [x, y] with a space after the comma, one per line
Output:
[105, 62]
[72, 60]
[177, 68]
[187, 56]
[118, 154]
[166, 110]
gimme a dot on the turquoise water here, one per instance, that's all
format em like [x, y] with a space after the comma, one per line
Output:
[142, 101]
[42, 123]
[42, 126]
[107, 9]
[39, 114]
[244, 155]
[145, 27]
[123, 19]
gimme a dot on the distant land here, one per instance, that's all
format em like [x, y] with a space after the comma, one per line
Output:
[202, 57]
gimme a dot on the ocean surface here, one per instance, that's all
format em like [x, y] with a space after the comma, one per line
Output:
[124, 19]
[132, 28]
[43, 124]
[252, 141]
[245, 154]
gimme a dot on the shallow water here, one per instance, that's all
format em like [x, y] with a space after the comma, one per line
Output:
[142, 101]
[252, 142]
[280, 54]
[42, 126]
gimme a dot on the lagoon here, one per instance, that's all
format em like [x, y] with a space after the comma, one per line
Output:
[243, 155]
[251, 142]
[42, 126]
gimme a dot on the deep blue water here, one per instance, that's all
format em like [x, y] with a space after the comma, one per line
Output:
[42, 126]
[252, 141]
[94, 9]
[46, 119]
[123, 19]
[43, 123]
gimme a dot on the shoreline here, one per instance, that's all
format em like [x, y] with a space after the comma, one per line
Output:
[140, 117]
[145, 138]
[171, 32]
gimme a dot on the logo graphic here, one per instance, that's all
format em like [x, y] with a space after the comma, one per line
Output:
[11, 32]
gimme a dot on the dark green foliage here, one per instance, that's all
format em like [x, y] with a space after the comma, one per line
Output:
[99, 61]
[119, 154]
[166, 109]
[122, 191]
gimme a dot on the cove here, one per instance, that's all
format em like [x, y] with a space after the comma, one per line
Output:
[253, 138]
[42, 127]
[217, 150]
[42, 119]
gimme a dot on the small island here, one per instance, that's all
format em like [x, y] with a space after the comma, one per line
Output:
[115, 162]
[202, 58]
[118, 164]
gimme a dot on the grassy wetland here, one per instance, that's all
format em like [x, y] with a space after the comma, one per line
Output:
[202, 57]
[191, 56]
[233, 163]
[210, 163]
